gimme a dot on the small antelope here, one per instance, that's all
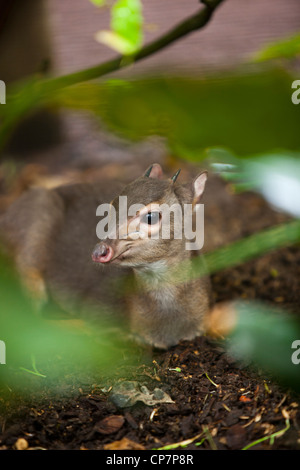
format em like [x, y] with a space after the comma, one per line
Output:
[53, 237]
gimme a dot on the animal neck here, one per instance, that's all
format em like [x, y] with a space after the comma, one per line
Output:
[163, 279]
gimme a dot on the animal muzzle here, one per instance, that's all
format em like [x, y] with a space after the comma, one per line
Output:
[102, 253]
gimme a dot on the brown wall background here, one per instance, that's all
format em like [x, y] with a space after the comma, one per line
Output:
[238, 29]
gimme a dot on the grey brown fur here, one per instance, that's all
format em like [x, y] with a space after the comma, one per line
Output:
[52, 234]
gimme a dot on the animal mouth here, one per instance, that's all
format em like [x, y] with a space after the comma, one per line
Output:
[104, 253]
[120, 256]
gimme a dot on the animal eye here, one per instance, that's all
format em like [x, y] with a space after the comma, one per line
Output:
[151, 218]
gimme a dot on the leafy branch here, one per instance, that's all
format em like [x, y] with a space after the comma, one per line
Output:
[34, 92]
[193, 23]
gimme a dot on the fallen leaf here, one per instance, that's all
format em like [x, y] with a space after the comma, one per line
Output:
[110, 424]
[128, 393]
[124, 444]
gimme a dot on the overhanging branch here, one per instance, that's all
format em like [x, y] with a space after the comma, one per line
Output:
[27, 96]
[195, 22]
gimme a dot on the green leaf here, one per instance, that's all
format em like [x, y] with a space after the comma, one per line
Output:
[116, 41]
[126, 35]
[285, 48]
[98, 3]
[240, 112]
[250, 247]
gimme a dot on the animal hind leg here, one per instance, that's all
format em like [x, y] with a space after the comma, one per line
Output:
[29, 227]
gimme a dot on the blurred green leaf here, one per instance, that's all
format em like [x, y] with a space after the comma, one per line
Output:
[98, 3]
[248, 248]
[247, 113]
[284, 48]
[265, 336]
[22, 98]
[49, 350]
[126, 35]
[86, 96]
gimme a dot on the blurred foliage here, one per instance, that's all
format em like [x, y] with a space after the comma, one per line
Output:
[265, 336]
[276, 176]
[247, 113]
[248, 248]
[287, 48]
[98, 3]
[23, 98]
[48, 349]
[126, 34]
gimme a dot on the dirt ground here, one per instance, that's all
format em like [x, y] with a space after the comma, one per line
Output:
[216, 403]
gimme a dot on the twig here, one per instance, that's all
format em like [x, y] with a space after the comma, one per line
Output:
[195, 22]
[183, 444]
[33, 93]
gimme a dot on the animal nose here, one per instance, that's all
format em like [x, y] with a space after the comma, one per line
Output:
[102, 253]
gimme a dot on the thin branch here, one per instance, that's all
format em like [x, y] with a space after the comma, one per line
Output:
[33, 93]
[195, 22]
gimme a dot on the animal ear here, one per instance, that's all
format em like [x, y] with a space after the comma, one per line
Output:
[154, 171]
[199, 186]
[174, 178]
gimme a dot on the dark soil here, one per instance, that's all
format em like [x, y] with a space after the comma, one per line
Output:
[216, 402]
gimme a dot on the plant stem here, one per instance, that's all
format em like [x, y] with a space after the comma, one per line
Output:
[195, 22]
[248, 248]
[271, 436]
